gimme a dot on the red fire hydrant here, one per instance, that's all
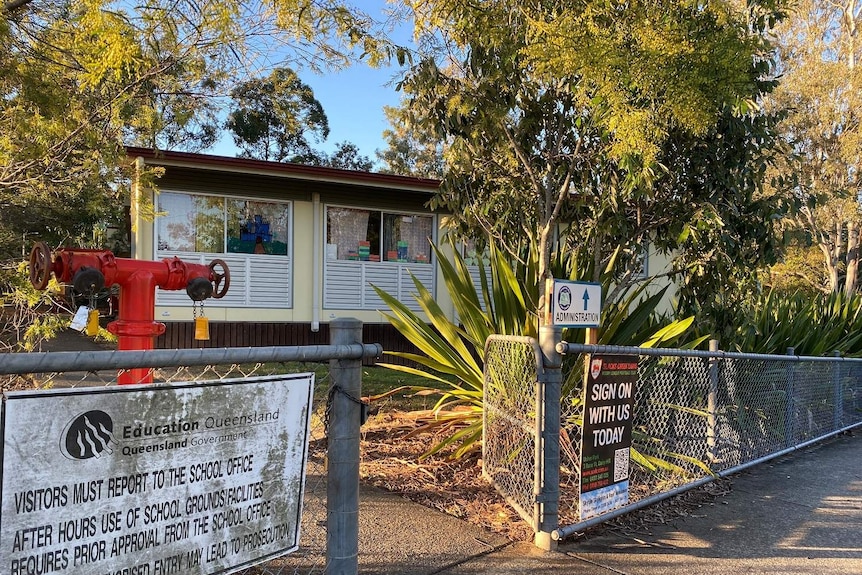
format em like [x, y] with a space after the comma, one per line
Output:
[135, 327]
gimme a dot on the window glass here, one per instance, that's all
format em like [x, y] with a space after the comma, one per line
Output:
[257, 227]
[642, 265]
[352, 234]
[367, 235]
[190, 223]
[196, 223]
[407, 238]
[473, 254]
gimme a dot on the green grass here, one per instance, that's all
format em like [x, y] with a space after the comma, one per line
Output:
[379, 381]
[393, 389]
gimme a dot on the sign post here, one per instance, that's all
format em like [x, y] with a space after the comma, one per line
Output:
[577, 304]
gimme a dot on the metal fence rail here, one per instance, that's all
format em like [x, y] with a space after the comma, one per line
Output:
[697, 415]
[329, 538]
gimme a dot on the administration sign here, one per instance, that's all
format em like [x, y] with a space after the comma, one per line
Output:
[607, 433]
[577, 304]
[193, 478]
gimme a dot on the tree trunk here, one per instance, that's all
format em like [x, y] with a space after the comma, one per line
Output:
[829, 266]
[852, 258]
[849, 11]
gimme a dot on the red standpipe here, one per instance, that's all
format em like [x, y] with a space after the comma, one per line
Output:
[135, 326]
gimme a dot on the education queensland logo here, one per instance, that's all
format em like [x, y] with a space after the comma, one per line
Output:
[95, 434]
[88, 435]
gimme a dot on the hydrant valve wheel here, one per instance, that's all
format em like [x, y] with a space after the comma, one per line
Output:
[221, 279]
[40, 265]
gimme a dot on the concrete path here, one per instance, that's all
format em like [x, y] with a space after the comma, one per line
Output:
[801, 514]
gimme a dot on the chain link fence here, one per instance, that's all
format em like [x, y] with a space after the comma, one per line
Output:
[697, 416]
[511, 457]
[56, 370]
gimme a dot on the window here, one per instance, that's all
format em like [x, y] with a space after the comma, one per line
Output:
[641, 264]
[257, 227]
[368, 235]
[474, 255]
[368, 249]
[210, 224]
[407, 238]
[191, 223]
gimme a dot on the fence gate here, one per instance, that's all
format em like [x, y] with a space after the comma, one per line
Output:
[513, 417]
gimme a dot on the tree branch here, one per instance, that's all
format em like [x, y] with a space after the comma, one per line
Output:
[13, 5]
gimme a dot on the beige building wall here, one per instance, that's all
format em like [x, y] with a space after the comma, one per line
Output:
[305, 263]
[659, 265]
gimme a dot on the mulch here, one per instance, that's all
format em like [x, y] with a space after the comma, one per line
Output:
[392, 460]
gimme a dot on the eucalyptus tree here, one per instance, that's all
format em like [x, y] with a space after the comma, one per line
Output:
[822, 91]
[278, 118]
[574, 111]
[272, 118]
[348, 157]
[78, 79]
[409, 152]
[345, 157]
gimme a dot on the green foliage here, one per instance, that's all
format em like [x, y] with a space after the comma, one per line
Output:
[409, 152]
[647, 68]
[79, 79]
[29, 317]
[503, 303]
[585, 113]
[814, 325]
[821, 91]
[800, 270]
[271, 118]
[345, 157]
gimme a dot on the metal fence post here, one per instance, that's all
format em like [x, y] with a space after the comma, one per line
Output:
[342, 475]
[838, 410]
[552, 378]
[789, 409]
[712, 404]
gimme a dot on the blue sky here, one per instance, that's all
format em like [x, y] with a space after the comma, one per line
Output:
[353, 99]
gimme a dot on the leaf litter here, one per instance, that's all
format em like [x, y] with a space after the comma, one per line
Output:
[392, 459]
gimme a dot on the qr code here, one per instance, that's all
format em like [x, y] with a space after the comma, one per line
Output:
[621, 464]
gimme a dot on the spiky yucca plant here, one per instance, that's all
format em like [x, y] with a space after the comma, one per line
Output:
[504, 303]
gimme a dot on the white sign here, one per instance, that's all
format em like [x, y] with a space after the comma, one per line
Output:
[577, 304]
[192, 478]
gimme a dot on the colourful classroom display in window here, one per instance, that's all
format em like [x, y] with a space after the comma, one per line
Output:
[366, 235]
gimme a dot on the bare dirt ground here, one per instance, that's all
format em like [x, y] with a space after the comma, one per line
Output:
[392, 460]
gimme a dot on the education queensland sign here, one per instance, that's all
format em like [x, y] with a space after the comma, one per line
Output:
[576, 304]
[192, 478]
[607, 433]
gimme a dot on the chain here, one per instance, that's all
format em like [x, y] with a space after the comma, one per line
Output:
[333, 389]
[197, 310]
